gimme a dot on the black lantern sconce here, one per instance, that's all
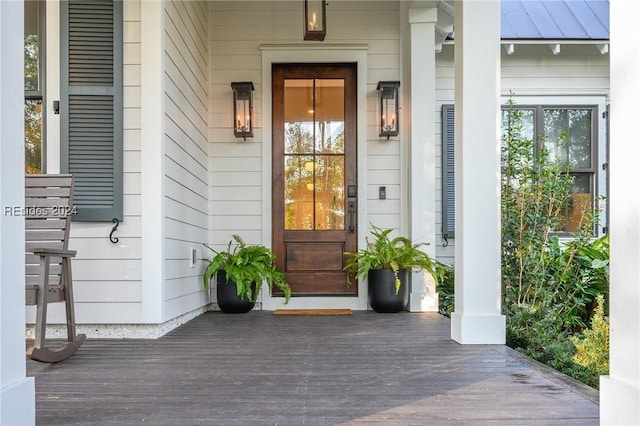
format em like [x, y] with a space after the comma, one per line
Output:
[243, 109]
[315, 20]
[388, 108]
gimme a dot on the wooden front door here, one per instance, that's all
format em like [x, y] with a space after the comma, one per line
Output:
[314, 175]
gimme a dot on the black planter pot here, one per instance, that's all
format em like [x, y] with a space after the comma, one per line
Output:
[228, 299]
[382, 290]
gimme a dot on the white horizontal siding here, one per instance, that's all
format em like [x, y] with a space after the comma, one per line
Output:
[235, 193]
[99, 231]
[111, 312]
[120, 291]
[384, 207]
[185, 165]
[249, 236]
[236, 223]
[184, 303]
[92, 312]
[232, 164]
[99, 249]
[176, 231]
[249, 207]
[106, 270]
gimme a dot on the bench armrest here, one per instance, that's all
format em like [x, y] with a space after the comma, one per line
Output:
[53, 252]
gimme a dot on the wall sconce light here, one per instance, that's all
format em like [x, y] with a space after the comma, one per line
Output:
[389, 107]
[243, 109]
[315, 20]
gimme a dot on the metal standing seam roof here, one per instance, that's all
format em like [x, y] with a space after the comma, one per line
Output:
[555, 19]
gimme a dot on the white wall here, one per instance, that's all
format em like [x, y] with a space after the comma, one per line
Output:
[578, 75]
[186, 153]
[238, 29]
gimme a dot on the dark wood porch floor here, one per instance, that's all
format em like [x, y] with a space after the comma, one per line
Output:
[260, 369]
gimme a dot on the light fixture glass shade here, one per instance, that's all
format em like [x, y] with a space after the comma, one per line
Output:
[315, 21]
[388, 108]
[243, 109]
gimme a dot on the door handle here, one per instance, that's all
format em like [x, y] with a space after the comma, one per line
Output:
[351, 208]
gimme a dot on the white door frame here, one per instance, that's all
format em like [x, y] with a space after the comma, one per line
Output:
[305, 53]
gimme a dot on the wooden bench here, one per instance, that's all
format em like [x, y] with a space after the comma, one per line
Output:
[48, 210]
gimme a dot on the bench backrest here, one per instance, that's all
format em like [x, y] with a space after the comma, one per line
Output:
[48, 211]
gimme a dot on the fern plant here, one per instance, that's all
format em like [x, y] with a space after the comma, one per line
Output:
[244, 265]
[387, 253]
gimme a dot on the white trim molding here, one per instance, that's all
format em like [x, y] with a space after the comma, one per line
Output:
[306, 53]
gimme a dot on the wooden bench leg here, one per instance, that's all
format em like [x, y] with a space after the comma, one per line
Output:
[68, 298]
[41, 309]
[39, 351]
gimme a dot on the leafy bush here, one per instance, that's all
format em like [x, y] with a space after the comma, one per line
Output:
[535, 191]
[592, 347]
[580, 272]
[445, 286]
[549, 288]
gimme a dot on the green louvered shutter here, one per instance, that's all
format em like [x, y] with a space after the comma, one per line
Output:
[448, 183]
[91, 105]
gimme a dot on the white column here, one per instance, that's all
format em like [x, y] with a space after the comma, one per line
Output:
[620, 390]
[477, 317]
[152, 167]
[17, 392]
[422, 155]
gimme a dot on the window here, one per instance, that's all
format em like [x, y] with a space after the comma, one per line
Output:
[545, 123]
[33, 86]
[549, 125]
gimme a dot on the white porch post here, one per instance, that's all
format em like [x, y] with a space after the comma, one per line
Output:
[477, 317]
[17, 392]
[152, 150]
[620, 390]
[422, 199]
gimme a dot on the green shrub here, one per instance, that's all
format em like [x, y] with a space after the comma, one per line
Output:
[534, 194]
[445, 287]
[580, 272]
[592, 347]
[549, 288]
